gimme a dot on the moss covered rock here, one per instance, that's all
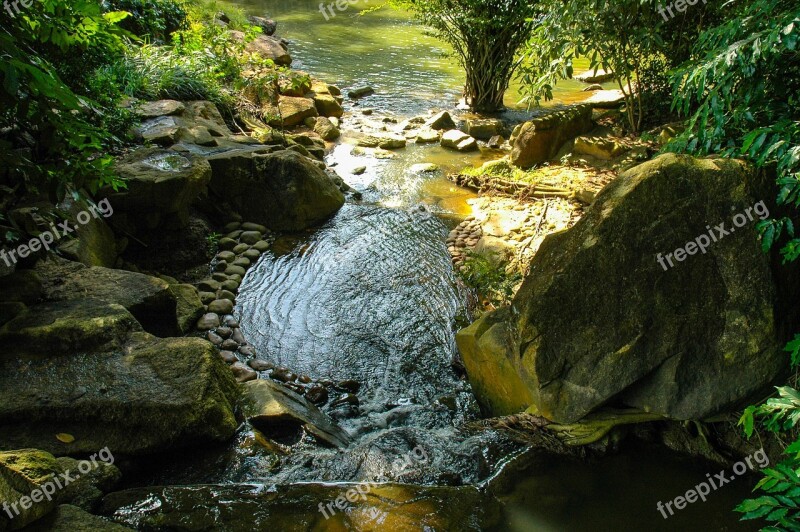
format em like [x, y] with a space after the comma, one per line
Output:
[282, 190]
[539, 140]
[89, 372]
[599, 320]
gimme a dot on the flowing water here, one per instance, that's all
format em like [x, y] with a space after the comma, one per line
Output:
[371, 296]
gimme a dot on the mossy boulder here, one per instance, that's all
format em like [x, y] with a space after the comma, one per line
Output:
[282, 190]
[162, 185]
[539, 140]
[484, 346]
[188, 306]
[94, 243]
[89, 372]
[151, 300]
[599, 321]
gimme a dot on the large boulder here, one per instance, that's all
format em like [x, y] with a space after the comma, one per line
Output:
[149, 299]
[29, 488]
[600, 321]
[89, 372]
[538, 140]
[295, 110]
[94, 243]
[266, 47]
[282, 190]
[162, 184]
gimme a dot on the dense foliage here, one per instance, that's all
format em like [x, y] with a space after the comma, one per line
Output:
[52, 130]
[742, 94]
[630, 38]
[485, 35]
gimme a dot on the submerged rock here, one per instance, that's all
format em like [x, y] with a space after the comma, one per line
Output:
[601, 321]
[349, 506]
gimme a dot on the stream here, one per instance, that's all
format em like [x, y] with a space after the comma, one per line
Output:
[372, 296]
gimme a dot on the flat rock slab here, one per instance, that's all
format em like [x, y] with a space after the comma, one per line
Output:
[270, 406]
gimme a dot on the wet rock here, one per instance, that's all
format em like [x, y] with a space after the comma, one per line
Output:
[207, 297]
[425, 136]
[267, 25]
[496, 142]
[208, 285]
[151, 300]
[228, 356]
[266, 47]
[304, 379]
[250, 237]
[391, 142]
[238, 336]
[483, 128]
[227, 244]
[232, 322]
[235, 270]
[160, 182]
[360, 92]
[241, 248]
[679, 347]
[243, 373]
[230, 286]
[317, 394]
[260, 365]
[214, 338]
[229, 345]
[270, 407]
[247, 351]
[224, 332]
[458, 140]
[227, 256]
[358, 170]
[422, 168]
[221, 306]
[242, 262]
[325, 129]
[170, 392]
[441, 120]
[284, 374]
[23, 286]
[158, 108]
[232, 226]
[253, 254]
[294, 110]
[595, 76]
[346, 399]
[207, 322]
[74, 519]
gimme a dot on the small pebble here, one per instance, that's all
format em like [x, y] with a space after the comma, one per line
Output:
[229, 345]
[208, 322]
[260, 365]
[228, 356]
[243, 373]
[224, 332]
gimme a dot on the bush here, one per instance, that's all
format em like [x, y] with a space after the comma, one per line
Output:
[153, 19]
[487, 275]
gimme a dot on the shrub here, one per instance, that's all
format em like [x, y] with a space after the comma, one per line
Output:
[153, 19]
